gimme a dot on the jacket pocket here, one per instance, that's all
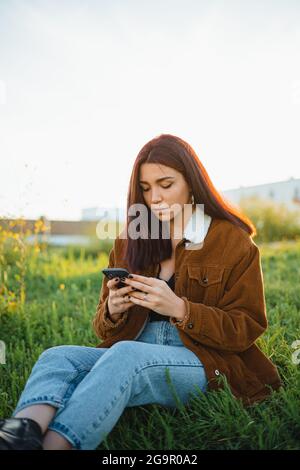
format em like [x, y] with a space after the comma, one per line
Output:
[204, 283]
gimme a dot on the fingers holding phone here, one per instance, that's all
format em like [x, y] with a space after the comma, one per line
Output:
[118, 297]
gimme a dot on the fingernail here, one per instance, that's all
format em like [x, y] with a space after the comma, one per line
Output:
[130, 275]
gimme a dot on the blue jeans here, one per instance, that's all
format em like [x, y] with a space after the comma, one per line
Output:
[92, 386]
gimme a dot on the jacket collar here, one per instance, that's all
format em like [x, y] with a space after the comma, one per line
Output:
[196, 228]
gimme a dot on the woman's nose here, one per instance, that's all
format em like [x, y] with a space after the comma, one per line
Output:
[156, 199]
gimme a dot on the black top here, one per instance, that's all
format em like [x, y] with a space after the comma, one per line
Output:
[154, 316]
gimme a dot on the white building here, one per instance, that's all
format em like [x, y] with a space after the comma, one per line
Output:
[286, 192]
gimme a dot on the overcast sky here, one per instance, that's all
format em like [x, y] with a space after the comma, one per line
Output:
[85, 84]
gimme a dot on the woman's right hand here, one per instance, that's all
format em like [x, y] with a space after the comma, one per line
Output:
[118, 301]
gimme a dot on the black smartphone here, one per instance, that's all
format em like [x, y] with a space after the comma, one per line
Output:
[110, 273]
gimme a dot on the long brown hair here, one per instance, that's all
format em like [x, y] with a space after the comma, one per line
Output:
[172, 151]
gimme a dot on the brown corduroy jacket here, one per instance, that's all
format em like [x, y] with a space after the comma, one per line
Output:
[222, 287]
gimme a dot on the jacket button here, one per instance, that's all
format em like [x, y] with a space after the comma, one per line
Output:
[217, 372]
[190, 325]
[205, 280]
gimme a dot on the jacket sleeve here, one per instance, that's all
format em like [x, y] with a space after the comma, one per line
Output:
[240, 317]
[103, 326]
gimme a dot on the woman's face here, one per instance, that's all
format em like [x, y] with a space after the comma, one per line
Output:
[161, 193]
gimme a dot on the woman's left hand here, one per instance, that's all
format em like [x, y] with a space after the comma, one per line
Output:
[160, 298]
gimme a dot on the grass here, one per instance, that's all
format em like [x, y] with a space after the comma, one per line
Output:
[62, 292]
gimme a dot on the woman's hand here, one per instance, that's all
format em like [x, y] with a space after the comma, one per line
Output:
[159, 298]
[118, 301]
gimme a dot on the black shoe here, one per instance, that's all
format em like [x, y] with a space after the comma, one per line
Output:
[20, 434]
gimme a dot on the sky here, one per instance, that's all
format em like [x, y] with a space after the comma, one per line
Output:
[84, 85]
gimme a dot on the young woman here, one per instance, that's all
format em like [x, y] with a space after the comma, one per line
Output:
[186, 321]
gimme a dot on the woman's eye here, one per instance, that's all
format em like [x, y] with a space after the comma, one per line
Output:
[165, 187]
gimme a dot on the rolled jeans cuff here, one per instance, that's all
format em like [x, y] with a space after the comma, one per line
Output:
[67, 433]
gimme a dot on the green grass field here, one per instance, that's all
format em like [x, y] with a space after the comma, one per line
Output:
[62, 292]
